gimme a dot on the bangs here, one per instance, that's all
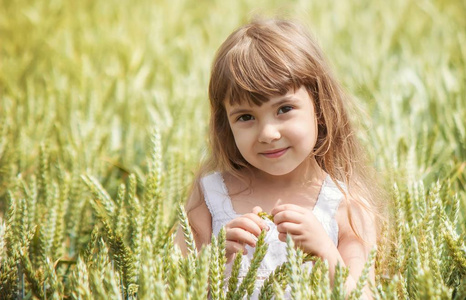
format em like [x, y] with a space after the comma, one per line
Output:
[256, 69]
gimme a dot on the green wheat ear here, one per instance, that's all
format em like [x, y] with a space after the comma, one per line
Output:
[247, 285]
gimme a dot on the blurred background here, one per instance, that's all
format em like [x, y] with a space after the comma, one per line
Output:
[85, 84]
[90, 79]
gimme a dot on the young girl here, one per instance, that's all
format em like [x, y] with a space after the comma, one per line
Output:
[282, 143]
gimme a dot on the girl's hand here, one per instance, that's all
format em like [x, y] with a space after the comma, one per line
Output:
[243, 231]
[303, 227]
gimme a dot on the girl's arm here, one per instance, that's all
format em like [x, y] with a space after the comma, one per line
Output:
[200, 220]
[353, 251]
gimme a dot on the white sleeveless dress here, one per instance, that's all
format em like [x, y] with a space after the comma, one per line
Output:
[219, 203]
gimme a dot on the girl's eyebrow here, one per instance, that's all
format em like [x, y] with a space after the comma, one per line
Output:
[238, 111]
[283, 100]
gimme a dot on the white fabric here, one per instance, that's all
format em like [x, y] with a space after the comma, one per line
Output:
[219, 203]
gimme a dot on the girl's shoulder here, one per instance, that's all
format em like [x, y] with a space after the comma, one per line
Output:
[230, 183]
[199, 219]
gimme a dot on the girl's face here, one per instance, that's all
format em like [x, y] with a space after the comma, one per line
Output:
[277, 136]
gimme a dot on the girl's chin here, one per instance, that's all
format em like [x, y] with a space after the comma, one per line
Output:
[277, 172]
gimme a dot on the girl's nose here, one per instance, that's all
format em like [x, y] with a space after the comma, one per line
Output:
[268, 133]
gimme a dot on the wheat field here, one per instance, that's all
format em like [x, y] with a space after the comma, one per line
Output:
[103, 123]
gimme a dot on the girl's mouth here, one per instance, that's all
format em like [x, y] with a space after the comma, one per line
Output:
[274, 153]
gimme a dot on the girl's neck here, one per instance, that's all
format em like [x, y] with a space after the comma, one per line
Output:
[300, 187]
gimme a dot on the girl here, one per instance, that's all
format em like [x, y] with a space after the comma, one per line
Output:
[282, 143]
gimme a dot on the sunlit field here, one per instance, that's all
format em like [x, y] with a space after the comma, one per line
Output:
[103, 123]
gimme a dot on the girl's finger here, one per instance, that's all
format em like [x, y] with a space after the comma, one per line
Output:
[258, 220]
[282, 237]
[288, 216]
[290, 228]
[250, 222]
[246, 225]
[285, 207]
[256, 210]
[241, 236]
[235, 247]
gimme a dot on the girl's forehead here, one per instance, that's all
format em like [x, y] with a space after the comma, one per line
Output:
[245, 101]
[255, 99]
[291, 95]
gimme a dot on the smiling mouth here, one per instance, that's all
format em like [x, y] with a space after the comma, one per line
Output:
[274, 153]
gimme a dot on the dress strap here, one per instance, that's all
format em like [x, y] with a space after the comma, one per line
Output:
[217, 200]
[327, 205]
[330, 197]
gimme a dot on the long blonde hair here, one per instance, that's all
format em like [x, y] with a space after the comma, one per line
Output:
[267, 58]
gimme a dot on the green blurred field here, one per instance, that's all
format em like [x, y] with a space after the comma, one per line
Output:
[84, 84]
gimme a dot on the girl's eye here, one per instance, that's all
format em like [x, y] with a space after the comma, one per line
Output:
[244, 118]
[284, 109]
